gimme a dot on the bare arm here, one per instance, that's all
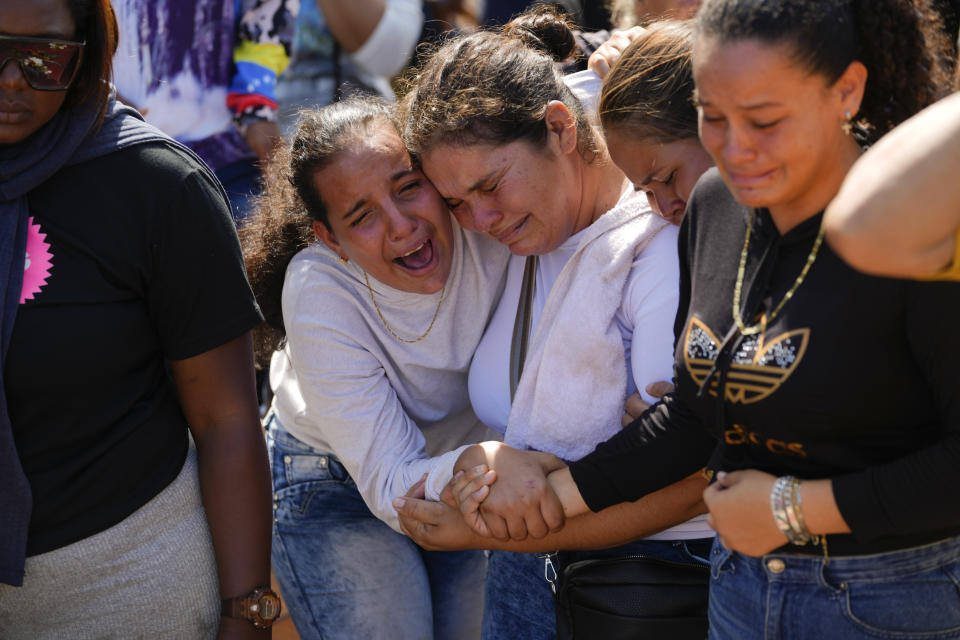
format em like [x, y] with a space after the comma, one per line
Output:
[379, 35]
[263, 136]
[434, 525]
[526, 504]
[898, 211]
[218, 397]
[351, 23]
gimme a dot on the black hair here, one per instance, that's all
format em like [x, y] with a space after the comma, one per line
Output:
[493, 87]
[900, 43]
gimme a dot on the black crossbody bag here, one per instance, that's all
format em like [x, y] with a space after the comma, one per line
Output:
[627, 598]
[632, 598]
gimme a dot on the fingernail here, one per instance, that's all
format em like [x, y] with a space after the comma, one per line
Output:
[721, 475]
[423, 477]
[398, 503]
[458, 475]
[480, 468]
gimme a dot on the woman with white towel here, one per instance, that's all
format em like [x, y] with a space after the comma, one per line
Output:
[507, 144]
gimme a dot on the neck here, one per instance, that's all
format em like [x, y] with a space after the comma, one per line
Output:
[603, 184]
[788, 215]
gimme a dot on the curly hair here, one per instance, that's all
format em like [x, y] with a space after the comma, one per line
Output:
[900, 42]
[282, 220]
[493, 87]
[649, 90]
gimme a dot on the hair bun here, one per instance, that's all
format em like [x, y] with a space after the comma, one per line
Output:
[544, 28]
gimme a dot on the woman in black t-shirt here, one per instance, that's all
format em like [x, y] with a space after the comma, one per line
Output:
[125, 321]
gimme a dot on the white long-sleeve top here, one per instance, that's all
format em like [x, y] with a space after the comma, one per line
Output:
[390, 411]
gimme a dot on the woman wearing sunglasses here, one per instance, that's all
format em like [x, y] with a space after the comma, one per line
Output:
[125, 321]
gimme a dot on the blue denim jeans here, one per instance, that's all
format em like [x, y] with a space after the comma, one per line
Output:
[344, 574]
[519, 602]
[900, 595]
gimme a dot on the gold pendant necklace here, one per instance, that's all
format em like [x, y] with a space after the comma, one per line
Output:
[384, 320]
[761, 326]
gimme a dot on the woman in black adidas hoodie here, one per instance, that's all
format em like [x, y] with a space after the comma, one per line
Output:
[838, 430]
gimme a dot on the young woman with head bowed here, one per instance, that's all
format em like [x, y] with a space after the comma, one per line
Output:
[649, 120]
[126, 321]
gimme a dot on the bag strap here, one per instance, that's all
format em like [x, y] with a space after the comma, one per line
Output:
[518, 355]
[521, 324]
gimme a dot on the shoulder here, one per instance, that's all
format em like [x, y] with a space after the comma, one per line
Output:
[158, 160]
[151, 188]
[154, 173]
[710, 196]
[314, 271]
[319, 292]
[656, 267]
[710, 189]
[662, 248]
[712, 209]
[480, 246]
[481, 263]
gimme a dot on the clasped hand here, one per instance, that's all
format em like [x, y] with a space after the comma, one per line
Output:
[503, 492]
[472, 510]
[739, 504]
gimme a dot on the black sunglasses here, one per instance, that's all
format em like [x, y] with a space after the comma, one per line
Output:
[46, 64]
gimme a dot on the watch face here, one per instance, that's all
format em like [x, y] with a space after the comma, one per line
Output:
[269, 607]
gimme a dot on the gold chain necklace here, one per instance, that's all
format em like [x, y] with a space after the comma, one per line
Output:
[761, 326]
[384, 320]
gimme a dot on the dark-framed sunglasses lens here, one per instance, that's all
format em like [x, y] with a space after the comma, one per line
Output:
[47, 65]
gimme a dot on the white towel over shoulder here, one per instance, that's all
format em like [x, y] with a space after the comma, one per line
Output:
[573, 388]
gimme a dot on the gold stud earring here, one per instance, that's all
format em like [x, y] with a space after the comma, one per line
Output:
[343, 259]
